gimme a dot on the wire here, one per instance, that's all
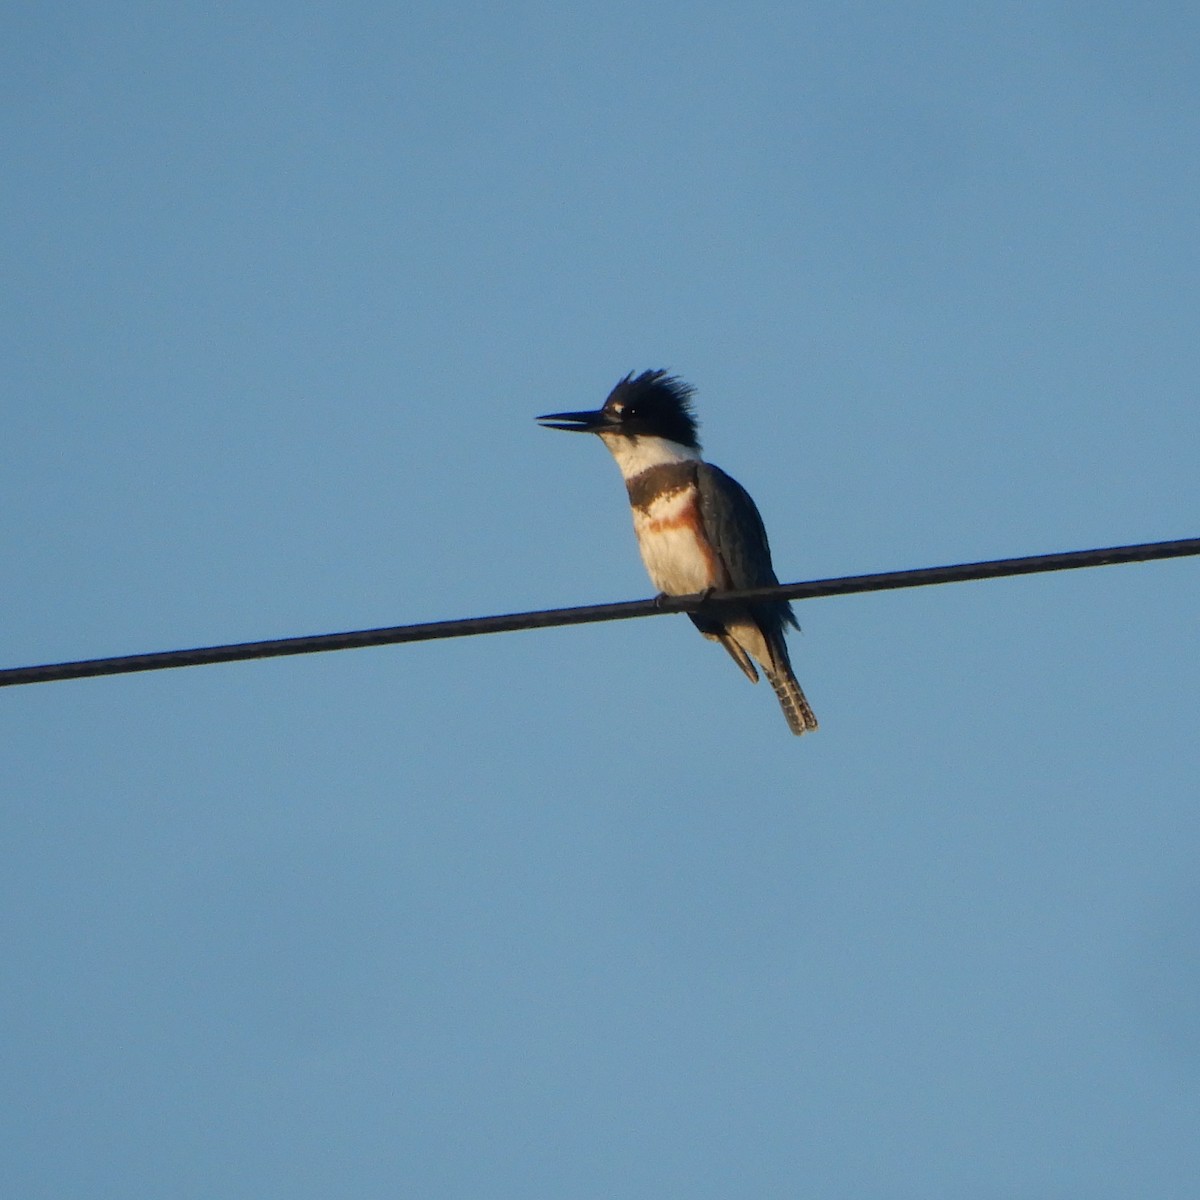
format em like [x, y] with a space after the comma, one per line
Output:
[546, 618]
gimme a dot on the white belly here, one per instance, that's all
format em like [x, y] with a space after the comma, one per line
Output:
[674, 557]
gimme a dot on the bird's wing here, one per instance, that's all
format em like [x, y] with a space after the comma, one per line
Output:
[734, 526]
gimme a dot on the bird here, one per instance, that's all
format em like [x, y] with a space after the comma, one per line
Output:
[697, 528]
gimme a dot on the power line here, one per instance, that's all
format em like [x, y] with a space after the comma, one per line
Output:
[545, 618]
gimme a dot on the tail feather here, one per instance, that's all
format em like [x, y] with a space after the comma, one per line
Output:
[800, 717]
[739, 656]
[769, 649]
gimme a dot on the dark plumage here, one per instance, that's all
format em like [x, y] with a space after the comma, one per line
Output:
[657, 403]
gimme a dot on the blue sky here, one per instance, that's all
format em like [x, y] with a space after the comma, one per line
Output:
[569, 913]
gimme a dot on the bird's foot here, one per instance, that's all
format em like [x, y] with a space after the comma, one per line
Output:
[661, 599]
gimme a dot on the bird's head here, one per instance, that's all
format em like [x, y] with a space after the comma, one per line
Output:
[653, 404]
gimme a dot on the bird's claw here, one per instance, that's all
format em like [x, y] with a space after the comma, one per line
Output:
[660, 601]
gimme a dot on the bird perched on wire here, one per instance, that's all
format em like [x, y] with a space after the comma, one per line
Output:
[698, 530]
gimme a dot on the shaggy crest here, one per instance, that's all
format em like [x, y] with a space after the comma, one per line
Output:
[658, 403]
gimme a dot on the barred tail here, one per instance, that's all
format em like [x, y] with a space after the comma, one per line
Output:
[800, 717]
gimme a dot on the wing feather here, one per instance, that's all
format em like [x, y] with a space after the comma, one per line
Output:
[735, 528]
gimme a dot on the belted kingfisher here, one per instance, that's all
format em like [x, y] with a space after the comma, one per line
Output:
[698, 529]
